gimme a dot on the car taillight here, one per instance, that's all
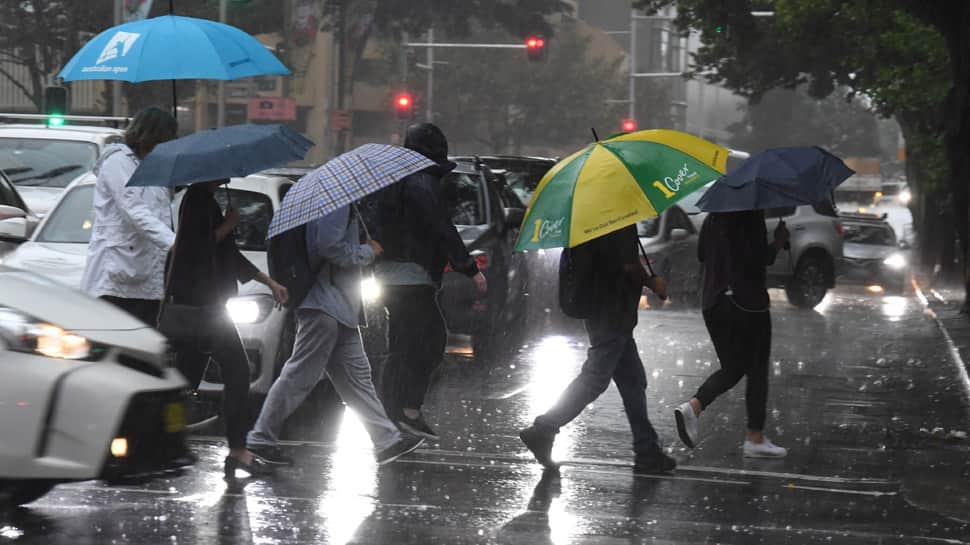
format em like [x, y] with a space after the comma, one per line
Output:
[482, 261]
[839, 228]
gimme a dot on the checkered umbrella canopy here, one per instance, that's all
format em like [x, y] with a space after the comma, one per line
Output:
[343, 180]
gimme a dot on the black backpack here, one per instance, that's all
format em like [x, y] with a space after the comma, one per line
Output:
[289, 264]
[575, 281]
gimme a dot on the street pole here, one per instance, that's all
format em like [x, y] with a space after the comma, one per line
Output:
[221, 99]
[429, 95]
[631, 107]
[116, 84]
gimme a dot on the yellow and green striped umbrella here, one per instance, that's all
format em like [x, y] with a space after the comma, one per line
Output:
[617, 182]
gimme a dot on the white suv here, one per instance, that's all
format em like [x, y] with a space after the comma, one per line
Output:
[42, 161]
[808, 269]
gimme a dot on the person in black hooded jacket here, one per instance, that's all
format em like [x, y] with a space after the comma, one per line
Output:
[419, 239]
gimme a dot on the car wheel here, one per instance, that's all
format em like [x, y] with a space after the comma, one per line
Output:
[21, 491]
[808, 286]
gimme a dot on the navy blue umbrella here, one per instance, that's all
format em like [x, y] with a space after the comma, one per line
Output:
[215, 154]
[775, 178]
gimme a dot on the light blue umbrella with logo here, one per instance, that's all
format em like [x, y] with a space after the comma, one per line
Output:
[171, 47]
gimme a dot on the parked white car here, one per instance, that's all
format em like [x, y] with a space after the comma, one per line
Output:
[58, 250]
[42, 161]
[85, 392]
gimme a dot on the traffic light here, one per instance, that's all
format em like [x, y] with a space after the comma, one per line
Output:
[404, 105]
[55, 105]
[535, 48]
[629, 125]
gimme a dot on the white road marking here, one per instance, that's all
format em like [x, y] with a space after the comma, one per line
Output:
[961, 366]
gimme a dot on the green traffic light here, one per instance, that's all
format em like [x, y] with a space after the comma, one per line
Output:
[55, 121]
[719, 29]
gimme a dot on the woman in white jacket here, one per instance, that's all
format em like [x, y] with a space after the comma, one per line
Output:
[132, 230]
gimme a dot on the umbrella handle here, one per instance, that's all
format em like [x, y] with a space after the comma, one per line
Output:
[645, 258]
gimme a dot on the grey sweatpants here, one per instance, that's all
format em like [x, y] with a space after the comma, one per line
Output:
[324, 347]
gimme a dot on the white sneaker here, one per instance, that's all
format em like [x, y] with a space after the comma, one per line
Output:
[764, 449]
[686, 424]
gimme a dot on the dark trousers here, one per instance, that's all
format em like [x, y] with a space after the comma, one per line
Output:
[742, 340]
[226, 349]
[416, 338]
[612, 356]
[145, 310]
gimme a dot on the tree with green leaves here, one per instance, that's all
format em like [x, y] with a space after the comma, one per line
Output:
[911, 60]
[41, 35]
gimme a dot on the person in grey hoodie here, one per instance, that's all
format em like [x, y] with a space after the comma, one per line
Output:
[328, 344]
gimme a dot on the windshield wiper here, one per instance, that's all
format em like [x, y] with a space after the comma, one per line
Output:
[15, 170]
[47, 175]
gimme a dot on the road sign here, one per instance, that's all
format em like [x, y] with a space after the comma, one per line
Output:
[272, 109]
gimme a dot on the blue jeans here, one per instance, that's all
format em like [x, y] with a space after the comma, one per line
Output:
[612, 356]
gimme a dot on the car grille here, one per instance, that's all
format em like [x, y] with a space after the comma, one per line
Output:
[154, 426]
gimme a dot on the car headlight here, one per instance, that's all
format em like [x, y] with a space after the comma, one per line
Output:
[370, 289]
[895, 261]
[24, 333]
[905, 196]
[250, 309]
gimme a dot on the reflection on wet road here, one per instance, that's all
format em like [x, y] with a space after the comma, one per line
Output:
[857, 387]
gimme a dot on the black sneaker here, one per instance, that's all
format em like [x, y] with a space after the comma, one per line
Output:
[407, 444]
[540, 444]
[655, 463]
[417, 426]
[271, 455]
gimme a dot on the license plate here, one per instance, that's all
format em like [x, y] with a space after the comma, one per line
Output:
[174, 416]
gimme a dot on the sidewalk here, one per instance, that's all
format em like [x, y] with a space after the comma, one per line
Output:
[943, 462]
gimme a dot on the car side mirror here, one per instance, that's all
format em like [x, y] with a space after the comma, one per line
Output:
[903, 245]
[13, 223]
[514, 217]
[678, 234]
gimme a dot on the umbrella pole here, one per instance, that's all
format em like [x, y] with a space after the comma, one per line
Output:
[645, 258]
[175, 101]
[596, 137]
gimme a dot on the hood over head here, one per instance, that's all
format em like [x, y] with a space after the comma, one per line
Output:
[428, 140]
[108, 151]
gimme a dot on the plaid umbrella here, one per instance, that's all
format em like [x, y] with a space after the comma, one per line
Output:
[343, 180]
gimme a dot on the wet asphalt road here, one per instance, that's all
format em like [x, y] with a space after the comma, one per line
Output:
[857, 388]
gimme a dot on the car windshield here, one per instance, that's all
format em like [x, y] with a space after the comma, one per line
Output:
[462, 194]
[255, 214]
[649, 228]
[72, 220]
[689, 202]
[45, 163]
[876, 235]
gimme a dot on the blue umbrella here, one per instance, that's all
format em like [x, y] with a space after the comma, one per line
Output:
[237, 150]
[344, 179]
[775, 178]
[171, 47]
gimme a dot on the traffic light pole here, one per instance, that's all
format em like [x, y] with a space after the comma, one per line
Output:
[430, 45]
[116, 84]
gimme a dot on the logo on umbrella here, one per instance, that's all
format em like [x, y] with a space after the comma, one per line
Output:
[547, 229]
[118, 46]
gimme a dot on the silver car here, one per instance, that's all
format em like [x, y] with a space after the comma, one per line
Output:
[807, 270]
[58, 250]
[43, 160]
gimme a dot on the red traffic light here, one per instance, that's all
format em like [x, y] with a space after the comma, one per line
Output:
[403, 105]
[535, 48]
[629, 125]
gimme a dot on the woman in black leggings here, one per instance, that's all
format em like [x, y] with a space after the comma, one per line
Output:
[205, 266]
[734, 249]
